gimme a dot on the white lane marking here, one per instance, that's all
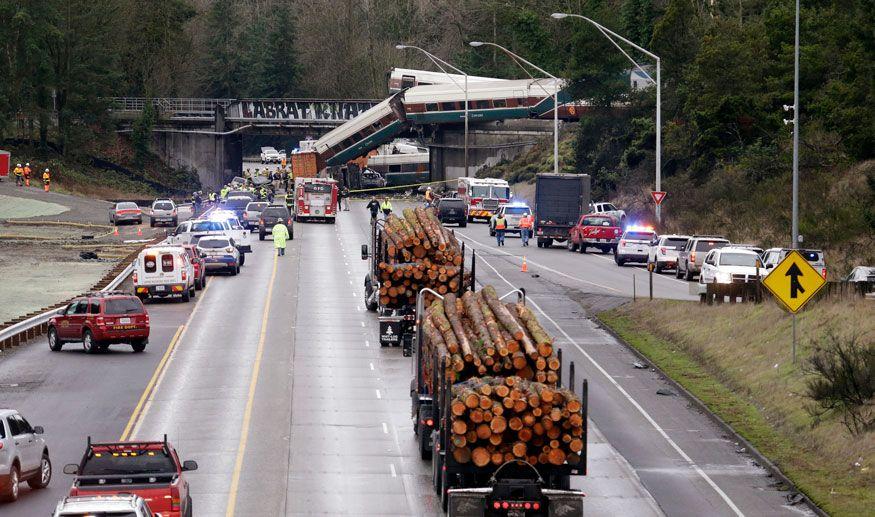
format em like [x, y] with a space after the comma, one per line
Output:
[385, 428]
[631, 400]
[542, 266]
[392, 469]
[367, 343]
[379, 396]
[363, 323]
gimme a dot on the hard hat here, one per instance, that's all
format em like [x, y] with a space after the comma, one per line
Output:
[47, 170]
[19, 165]
[429, 188]
[27, 164]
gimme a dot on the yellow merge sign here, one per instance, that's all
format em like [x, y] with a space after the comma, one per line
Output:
[794, 281]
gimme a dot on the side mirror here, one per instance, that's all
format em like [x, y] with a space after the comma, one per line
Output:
[61, 311]
[71, 468]
[38, 429]
[189, 465]
[769, 266]
[365, 253]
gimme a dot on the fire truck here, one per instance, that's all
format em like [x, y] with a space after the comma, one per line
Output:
[483, 195]
[314, 198]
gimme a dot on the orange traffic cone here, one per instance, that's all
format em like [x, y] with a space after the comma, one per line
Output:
[26, 182]
[525, 268]
[139, 232]
[115, 231]
[46, 187]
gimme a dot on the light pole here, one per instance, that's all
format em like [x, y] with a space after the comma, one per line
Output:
[437, 62]
[606, 32]
[555, 96]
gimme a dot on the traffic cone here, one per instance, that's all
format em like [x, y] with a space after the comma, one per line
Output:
[525, 268]
[46, 187]
[115, 231]
[139, 232]
[26, 182]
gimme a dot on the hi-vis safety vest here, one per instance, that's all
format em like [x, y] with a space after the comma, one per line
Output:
[500, 223]
[526, 221]
[385, 205]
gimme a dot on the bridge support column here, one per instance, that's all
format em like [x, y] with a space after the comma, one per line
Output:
[488, 144]
[216, 157]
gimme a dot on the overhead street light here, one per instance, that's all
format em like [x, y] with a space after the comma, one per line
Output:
[606, 32]
[437, 62]
[517, 60]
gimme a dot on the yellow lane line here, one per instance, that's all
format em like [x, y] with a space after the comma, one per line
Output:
[138, 410]
[247, 413]
[158, 369]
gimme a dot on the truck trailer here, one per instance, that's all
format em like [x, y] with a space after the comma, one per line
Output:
[560, 200]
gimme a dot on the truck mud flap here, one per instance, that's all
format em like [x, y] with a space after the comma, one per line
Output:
[390, 331]
[472, 502]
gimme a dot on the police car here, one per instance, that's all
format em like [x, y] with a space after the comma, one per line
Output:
[634, 245]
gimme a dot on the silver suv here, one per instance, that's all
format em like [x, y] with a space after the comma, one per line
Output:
[690, 258]
[127, 505]
[23, 455]
[163, 211]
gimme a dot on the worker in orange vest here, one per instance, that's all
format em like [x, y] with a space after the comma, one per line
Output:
[500, 227]
[27, 174]
[47, 179]
[527, 222]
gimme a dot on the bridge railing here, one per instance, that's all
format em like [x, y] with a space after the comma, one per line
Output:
[176, 108]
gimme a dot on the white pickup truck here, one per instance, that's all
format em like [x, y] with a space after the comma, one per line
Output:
[270, 155]
[190, 231]
[610, 209]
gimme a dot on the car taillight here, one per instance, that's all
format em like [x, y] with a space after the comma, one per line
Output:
[184, 276]
[622, 242]
[175, 500]
[429, 422]
[135, 277]
[1, 446]
[146, 320]
[693, 256]
[229, 249]
[823, 272]
[662, 251]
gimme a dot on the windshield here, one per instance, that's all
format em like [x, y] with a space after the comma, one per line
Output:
[234, 223]
[276, 212]
[710, 245]
[317, 188]
[639, 236]
[126, 206]
[207, 226]
[738, 259]
[676, 244]
[146, 462]
[516, 210]
[256, 207]
[452, 203]
[123, 306]
[480, 191]
[238, 202]
[501, 192]
[162, 206]
[597, 221]
[213, 243]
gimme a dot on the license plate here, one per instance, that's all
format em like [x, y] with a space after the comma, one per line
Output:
[159, 287]
[124, 321]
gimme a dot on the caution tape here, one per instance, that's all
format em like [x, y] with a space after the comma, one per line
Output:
[397, 187]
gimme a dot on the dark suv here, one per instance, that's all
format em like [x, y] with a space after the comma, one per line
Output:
[101, 319]
[272, 215]
[452, 210]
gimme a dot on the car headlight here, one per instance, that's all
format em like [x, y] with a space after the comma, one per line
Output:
[723, 277]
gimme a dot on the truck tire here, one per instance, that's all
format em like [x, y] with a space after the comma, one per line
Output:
[582, 248]
[424, 447]
[445, 486]
[570, 246]
[548, 243]
[55, 343]
[186, 296]
[10, 493]
[677, 271]
[688, 275]
[463, 224]
[436, 468]
[88, 343]
[139, 345]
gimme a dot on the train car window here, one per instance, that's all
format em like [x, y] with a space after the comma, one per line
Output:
[408, 81]
[482, 105]
[432, 106]
[448, 106]
[499, 103]
[394, 168]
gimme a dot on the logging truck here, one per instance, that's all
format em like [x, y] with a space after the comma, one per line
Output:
[503, 434]
[409, 252]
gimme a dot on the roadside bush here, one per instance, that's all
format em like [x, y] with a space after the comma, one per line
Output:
[843, 383]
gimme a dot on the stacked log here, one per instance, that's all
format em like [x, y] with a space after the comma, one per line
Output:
[498, 419]
[420, 253]
[478, 335]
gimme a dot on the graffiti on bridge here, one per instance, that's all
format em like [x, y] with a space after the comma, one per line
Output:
[291, 111]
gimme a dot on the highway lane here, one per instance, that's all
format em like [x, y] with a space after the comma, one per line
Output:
[682, 458]
[595, 273]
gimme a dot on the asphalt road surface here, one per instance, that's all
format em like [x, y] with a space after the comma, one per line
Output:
[275, 383]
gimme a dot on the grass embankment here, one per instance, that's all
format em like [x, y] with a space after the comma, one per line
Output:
[736, 359]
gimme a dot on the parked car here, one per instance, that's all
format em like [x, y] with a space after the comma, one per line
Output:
[690, 258]
[149, 469]
[601, 231]
[241, 193]
[773, 256]
[125, 212]
[24, 455]
[271, 216]
[101, 319]
[512, 214]
[163, 211]
[863, 274]
[270, 155]
[219, 254]
[200, 270]
[235, 230]
[609, 209]
[730, 265]
[252, 213]
[237, 205]
[451, 210]
[372, 179]
[163, 271]
[665, 251]
[634, 245]
[122, 505]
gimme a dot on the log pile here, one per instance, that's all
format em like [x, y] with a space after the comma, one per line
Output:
[420, 253]
[478, 335]
[498, 419]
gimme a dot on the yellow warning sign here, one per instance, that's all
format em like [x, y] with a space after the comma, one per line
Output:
[794, 281]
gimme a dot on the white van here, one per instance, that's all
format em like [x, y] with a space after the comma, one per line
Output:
[162, 271]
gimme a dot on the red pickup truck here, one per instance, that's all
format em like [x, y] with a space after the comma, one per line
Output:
[600, 231]
[151, 470]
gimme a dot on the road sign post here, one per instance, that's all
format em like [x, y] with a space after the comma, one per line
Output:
[794, 282]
